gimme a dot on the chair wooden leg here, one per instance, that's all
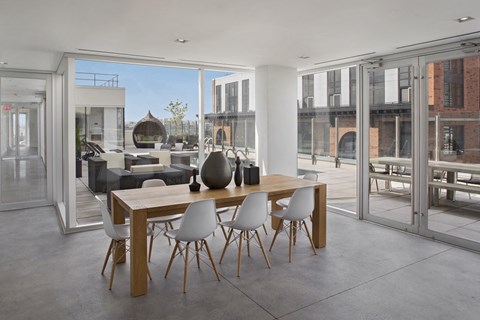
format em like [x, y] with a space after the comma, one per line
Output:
[309, 237]
[235, 213]
[239, 253]
[107, 256]
[265, 229]
[263, 249]
[279, 228]
[226, 245]
[295, 225]
[151, 242]
[376, 182]
[148, 273]
[172, 257]
[290, 238]
[222, 227]
[247, 234]
[197, 254]
[166, 229]
[114, 263]
[185, 271]
[214, 266]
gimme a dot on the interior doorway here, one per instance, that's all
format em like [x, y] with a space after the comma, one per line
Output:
[23, 174]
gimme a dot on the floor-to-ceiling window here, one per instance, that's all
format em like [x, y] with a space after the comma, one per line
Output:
[327, 132]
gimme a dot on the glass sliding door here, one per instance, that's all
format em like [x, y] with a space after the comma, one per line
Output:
[391, 112]
[453, 153]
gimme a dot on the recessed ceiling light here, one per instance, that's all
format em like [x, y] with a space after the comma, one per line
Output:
[3, 63]
[465, 19]
[303, 57]
[180, 40]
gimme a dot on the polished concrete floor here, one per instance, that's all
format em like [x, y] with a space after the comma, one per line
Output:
[22, 180]
[365, 272]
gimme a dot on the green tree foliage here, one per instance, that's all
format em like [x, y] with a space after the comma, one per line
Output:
[178, 111]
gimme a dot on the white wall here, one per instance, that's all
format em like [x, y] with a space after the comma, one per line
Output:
[99, 96]
[276, 120]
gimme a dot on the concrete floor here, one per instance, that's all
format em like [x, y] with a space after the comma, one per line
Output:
[365, 272]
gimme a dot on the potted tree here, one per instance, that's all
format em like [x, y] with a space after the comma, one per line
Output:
[78, 152]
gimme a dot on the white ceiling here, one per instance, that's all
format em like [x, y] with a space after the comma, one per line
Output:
[34, 34]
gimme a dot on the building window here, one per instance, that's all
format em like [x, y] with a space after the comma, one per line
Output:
[377, 87]
[353, 86]
[404, 84]
[453, 140]
[307, 91]
[334, 87]
[231, 96]
[245, 94]
[218, 98]
[453, 83]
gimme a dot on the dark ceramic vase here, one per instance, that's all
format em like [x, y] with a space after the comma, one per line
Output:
[194, 186]
[216, 171]
[238, 173]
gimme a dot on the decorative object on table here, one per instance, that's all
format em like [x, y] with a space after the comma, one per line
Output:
[251, 175]
[216, 171]
[238, 173]
[194, 186]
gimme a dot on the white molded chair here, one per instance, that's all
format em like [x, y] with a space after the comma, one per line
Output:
[166, 220]
[300, 207]
[311, 176]
[251, 216]
[198, 222]
[119, 233]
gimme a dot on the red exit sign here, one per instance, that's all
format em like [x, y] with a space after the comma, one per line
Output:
[7, 107]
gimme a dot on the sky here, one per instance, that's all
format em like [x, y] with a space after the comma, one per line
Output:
[152, 87]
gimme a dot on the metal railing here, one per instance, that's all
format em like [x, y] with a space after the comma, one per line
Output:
[97, 79]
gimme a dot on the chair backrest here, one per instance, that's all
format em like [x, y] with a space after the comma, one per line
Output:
[107, 221]
[198, 221]
[253, 212]
[301, 204]
[311, 176]
[153, 183]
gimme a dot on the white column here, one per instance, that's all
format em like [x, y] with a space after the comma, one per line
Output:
[276, 120]
[437, 137]
[201, 117]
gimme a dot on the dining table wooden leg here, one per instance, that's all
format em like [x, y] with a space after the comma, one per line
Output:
[138, 253]
[319, 223]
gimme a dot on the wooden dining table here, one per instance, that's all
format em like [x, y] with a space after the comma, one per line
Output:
[161, 201]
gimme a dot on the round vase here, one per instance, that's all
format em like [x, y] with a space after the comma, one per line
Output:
[216, 172]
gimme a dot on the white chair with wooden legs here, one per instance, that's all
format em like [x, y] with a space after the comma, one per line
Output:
[251, 216]
[165, 220]
[311, 176]
[300, 207]
[198, 222]
[120, 234]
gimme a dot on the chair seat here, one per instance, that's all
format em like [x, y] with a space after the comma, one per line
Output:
[283, 202]
[171, 234]
[123, 231]
[227, 224]
[222, 210]
[278, 214]
[165, 219]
